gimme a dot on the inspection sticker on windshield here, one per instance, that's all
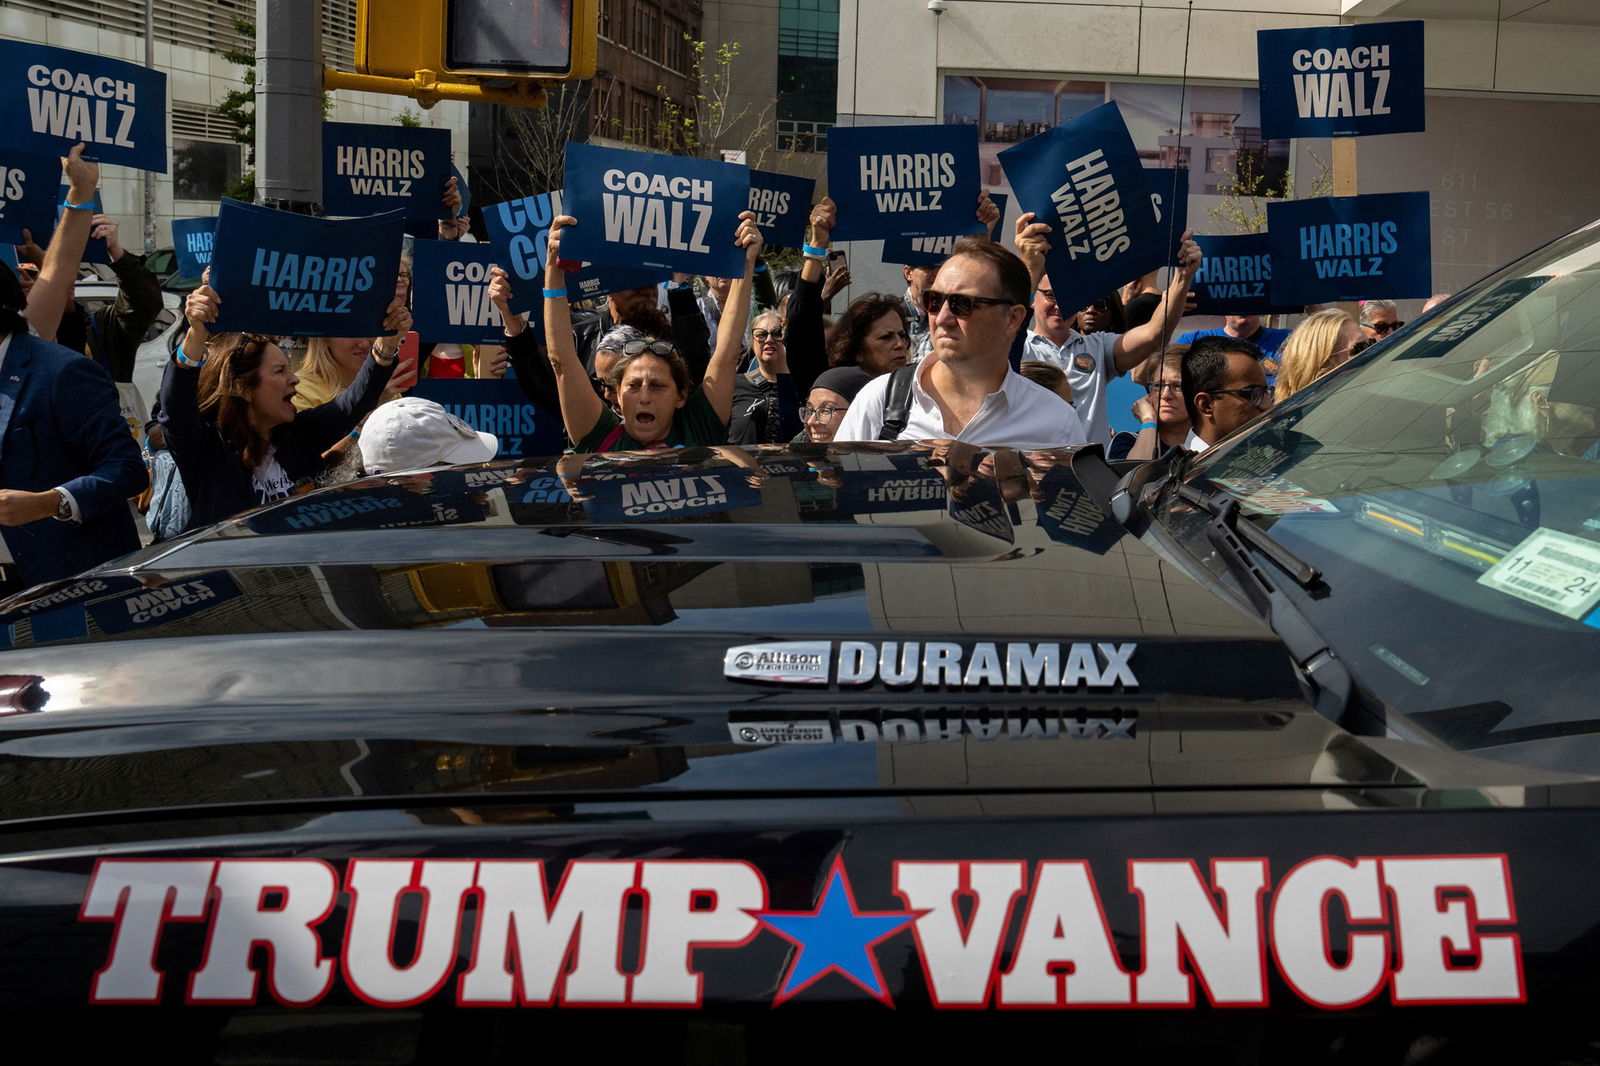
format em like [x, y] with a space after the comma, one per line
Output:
[1275, 495]
[1556, 571]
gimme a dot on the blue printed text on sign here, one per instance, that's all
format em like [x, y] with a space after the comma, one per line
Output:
[1235, 275]
[450, 297]
[903, 181]
[1349, 248]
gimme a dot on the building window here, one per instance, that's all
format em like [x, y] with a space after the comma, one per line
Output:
[808, 73]
[1219, 160]
[204, 170]
[676, 47]
[646, 28]
[1212, 124]
[605, 19]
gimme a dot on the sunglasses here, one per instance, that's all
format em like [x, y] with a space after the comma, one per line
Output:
[1360, 346]
[961, 305]
[648, 344]
[1251, 394]
[762, 335]
[1099, 305]
[1383, 329]
[820, 414]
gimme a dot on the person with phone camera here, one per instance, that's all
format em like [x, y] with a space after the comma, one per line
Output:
[231, 422]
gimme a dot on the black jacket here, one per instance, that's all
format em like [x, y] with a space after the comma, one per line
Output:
[764, 412]
[214, 475]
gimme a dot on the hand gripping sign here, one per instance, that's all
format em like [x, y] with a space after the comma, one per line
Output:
[1084, 179]
[294, 275]
[641, 209]
[367, 169]
[54, 98]
[1342, 81]
[1350, 248]
[518, 231]
[903, 181]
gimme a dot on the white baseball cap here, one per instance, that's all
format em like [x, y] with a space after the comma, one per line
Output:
[410, 433]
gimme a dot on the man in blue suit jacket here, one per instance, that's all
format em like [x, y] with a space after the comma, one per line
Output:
[68, 463]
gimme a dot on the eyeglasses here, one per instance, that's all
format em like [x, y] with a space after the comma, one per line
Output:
[1099, 305]
[1156, 388]
[822, 414]
[1252, 394]
[761, 336]
[1383, 329]
[961, 305]
[647, 344]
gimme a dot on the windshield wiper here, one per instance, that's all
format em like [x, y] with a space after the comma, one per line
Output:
[1327, 679]
[1215, 503]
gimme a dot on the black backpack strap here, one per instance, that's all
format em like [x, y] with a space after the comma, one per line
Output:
[897, 404]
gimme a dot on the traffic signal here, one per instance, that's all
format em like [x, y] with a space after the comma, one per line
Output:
[504, 50]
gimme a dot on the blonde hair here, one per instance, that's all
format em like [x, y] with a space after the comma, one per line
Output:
[318, 367]
[1308, 353]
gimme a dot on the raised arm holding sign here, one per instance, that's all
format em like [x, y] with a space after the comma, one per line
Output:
[48, 299]
[660, 407]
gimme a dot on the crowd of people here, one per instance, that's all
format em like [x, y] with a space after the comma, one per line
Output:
[975, 350]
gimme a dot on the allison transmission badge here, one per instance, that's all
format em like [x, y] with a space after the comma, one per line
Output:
[790, 662]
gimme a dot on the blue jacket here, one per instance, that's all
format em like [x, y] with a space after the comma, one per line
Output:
[66, 430]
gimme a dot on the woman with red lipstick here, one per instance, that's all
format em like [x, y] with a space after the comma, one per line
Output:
[227, 403]
[659, 407]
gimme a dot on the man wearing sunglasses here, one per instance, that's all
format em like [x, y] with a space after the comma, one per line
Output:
[1379, 318]
[965, 389]
[1224, 386]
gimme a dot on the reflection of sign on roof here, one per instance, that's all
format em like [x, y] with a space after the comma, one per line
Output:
[164, 603]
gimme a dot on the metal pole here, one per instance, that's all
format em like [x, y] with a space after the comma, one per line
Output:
[289, 105]
[149, 178]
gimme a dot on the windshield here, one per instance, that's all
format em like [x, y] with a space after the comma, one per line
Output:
[1447, 485]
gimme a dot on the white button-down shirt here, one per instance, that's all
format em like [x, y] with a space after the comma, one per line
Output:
[1020, 415]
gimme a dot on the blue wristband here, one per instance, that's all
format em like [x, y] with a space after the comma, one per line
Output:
[761, 267]
[187, 361]
[1147, 425]
[555, 294]
[70, 206]
[813, 253]
[354, 434]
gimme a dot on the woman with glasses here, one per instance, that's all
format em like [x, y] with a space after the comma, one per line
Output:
[657, 405]
[828, 401]
[227, 405]
[766, 406]
[1323, 341]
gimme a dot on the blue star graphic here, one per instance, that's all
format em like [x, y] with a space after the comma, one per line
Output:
[835, 937]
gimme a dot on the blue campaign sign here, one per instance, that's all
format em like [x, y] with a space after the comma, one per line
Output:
[1341, 81]
[933, 251]
[910, 486]
[498, 406]
[294, 275]
[781, 203]
[1170, 185]
[367, 169]
[518, 230]
[8, 256]
[1235, 278]
[903, 181]
[28, 184]
[450, 293]
[643, 209]
[1067, 513]
[1084, 179]
[1350, 248]
[653, 496]
[191, 240]
[392, 508]
[161, 604]
[54, 98]
[95, 250]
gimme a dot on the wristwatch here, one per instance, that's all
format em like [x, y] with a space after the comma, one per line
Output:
[63, 509]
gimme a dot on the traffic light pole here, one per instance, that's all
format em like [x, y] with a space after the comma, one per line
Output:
[289, 105]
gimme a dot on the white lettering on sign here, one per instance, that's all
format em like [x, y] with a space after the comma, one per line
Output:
[1432, 929]
[1089, 210]
[636, 214]
[379, 171]
[149, 606]
[466, 295]
[908, 181]
[1352, 83]
[676, 494]
[12, 182]
[98, 110]
[1349, 249]
[768, 204]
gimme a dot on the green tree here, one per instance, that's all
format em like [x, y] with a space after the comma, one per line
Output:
[238, 108]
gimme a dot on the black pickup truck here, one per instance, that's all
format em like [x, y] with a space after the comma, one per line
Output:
[1283, 752]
